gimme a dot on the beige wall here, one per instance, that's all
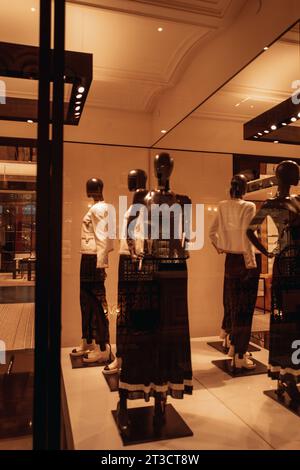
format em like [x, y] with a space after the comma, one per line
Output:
[203, 177]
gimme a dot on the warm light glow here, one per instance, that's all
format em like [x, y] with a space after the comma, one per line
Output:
[79, 96]
[266, 132]
[30, 121]
[77, 108]
[33, 9]
[284, 123]
[298, 115]
[259, 133]
[209, 209]
[255, 137]
[266, 48]
[273, 127]
[276, 141]
[160, 29]
[163, 131]
[78, 102]
[81, 89]
[293, 119]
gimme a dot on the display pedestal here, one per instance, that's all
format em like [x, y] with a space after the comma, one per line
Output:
[77, 362]
[218, 345]
[141, 427]
[284, 400]
[225, 366]
[112, 381]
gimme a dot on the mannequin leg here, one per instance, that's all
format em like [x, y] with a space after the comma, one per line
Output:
[122, 413]
[160, 401]
[289, 386]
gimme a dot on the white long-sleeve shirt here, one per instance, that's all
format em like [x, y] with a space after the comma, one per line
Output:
[138, 235]
[95, 238]
[228, 230]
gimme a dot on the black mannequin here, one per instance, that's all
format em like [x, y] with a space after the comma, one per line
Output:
[94, 189]
[242, 269]
[285, 326]
[137, 180]
[94, 345]
[159, 352]
[238, 186]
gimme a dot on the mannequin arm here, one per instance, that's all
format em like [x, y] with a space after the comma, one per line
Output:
[254, 224]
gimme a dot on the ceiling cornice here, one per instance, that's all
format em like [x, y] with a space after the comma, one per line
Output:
[210, 13]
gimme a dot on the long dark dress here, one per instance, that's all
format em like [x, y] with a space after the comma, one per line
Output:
[153, 327]
[285, 311]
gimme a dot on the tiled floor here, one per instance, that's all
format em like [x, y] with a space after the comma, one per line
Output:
[224, 413]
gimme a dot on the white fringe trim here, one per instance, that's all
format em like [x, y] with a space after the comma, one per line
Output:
[287, 370]
[156, 388]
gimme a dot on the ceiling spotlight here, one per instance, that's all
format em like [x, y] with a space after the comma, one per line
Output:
[81, 89]
[266, 48]
[163, 131]
[273, 127]
[77, 116]
[259, 133]
[160, 29]
[298, 115]
[266, 132]
[79, 96]
[77, 108]
[276, 141]
[293, 119]
[284, 124]
[255, 137]
[78, 102]
[30, 121]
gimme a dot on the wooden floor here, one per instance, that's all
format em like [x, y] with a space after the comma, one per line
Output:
[17, 325]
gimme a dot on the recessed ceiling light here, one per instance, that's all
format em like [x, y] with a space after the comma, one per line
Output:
[284, 124]
[266, 132]
[77, 108]
[252, 106]
[79, 96]
[78, 102]
[81, 89]
[255, 137]
[273, 127]
[163, 131]
[160, 29]
[259, 133]
[33, 9]
[276, 141]
[77, 116]
[30, 121]
[298, 115]
[266, 48]
[293, 119]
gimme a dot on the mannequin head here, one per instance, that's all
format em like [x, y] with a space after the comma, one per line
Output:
[137, 179]
[94, 189]
[163, 167]
[287, 173]
[238, 186]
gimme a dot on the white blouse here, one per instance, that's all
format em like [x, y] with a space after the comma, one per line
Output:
[95, 238]
[228, 230]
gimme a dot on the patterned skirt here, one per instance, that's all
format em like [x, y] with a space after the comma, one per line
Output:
[284, 357]
[153, 329]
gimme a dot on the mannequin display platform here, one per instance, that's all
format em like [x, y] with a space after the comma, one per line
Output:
[156, 357]
[284, 209]
[95, 247]
[242, 270]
